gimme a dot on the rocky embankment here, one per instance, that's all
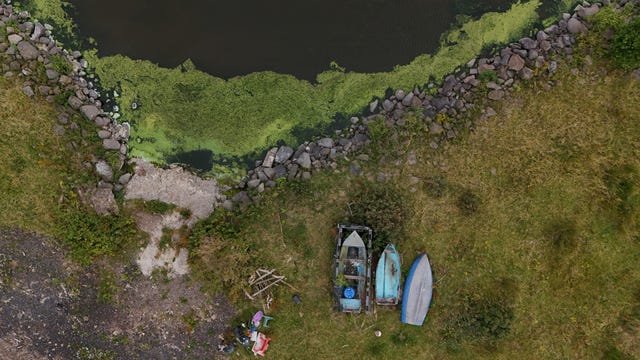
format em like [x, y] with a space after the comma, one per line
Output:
[443, 111]
[30, 53]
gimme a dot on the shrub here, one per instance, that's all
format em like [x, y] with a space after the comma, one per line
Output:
[625, 45]
[381, 206]
[88, 235]
[487, 76]
[158, 207]
[60, 64]
[467, 202]
[436, 186]
[562, 234]
[483, 317]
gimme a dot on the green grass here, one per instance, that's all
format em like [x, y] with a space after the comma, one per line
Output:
[33, 167]
[545, 266]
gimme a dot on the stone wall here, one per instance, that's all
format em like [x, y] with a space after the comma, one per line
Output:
[457, 96]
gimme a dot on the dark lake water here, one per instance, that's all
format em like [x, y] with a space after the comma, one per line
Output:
[299, 37]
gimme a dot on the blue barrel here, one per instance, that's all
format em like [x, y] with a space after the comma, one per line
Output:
[349, 292]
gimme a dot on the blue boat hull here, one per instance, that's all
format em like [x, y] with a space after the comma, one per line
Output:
[388, 277]
[418, 290]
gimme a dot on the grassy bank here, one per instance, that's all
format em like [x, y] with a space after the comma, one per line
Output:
[531, 224]
[43, 175]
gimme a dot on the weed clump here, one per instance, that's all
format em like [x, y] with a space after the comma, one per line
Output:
[483, 318]
[436, 186]
[468, 202]
[382, 207]
[562, 234]
[625, 45]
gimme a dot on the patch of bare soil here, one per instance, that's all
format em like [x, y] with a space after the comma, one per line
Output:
[52, 309]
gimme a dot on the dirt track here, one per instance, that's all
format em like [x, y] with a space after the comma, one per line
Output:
[50, 309]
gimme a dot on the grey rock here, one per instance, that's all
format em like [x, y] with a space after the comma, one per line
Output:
[38, 31]
[27, 50]
[228, 205]
[541, 35]
[635, 74]
[575, 26]
[253, 183]
[526, 73]
[407, 100]
[493, 86]
[241, 198]
[269, 172]
[74, 102]
[387, 105]
[373, 106]
[14, 38]
[122, 131]
[104, 134]
[399, 94]
[528, 43]
[545, 45]
[27, 90]
[283, 154]
[363, 157]
[58, 129]
[306, 175]
[281, 171]
[485, 67]
[516, 62]
[435, 128]
[124, 178]
[103, 201]
[304, 160]
[411, 158]
[589, 11]
[111, 144]
[293, 171]
[90, 111]
[104, 170]
[102, 121]
[270, 157]
[52, 74]
[326, 142]
[355, 169]
[495, 94]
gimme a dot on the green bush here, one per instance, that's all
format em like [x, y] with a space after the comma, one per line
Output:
[487, 76]
[383, 207]
[625, 45]
[468, 202]
[158, 207]
[562, 234]
[484, 317]
[88, 235]
[60, 64]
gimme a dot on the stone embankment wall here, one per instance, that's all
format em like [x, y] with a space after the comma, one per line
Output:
[26, 52]
[458, 95]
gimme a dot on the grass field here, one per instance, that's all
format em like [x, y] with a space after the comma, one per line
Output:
[531, 224]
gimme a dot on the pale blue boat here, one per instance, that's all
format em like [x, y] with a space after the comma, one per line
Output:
[418, 290]
[388, 277]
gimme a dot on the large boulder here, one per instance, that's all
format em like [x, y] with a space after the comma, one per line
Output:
[90, 111]
[283, 154]
[27, 50]
[576, 26]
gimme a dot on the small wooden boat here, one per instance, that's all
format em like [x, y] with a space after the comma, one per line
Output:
[388, 277]
[352, 287]
[417, 292]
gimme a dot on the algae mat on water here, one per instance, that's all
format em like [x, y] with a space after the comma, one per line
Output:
[184, 109]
